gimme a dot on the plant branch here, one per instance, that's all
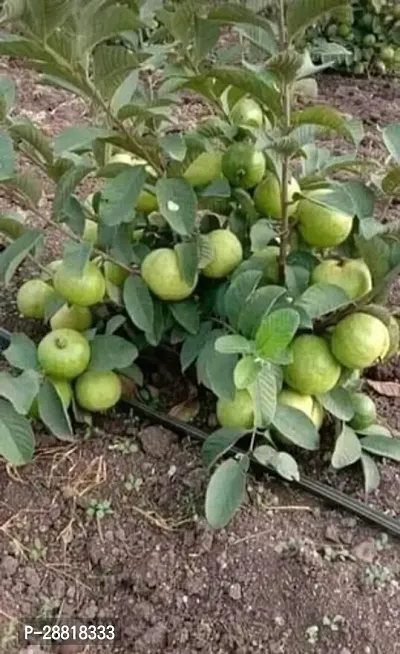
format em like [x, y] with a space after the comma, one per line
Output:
[285, 162]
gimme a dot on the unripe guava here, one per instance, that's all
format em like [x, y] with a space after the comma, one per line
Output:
[161, 272]
[243, 165]
[114, 273]
[364, 411]
[97, 390]
[238, 412]
[322, 226]
[83, 290]
[247, 112]
[359, 340]
[204, 169]
[352, 275]
[72, 317]
[90, 232]
[228, 253]
[313, 369]
[32, 298]
[267, 196]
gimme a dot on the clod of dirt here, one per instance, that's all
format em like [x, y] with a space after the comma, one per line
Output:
[153, 640]
[235, 592]
[69, 649]
[32, 578]
[365, 551]
[157, 441]
[9, 565]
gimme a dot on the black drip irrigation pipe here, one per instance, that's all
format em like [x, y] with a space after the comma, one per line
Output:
[322, 491]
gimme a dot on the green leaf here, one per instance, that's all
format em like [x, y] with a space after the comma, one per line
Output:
[215, 370]
[110, 352]
[382, 446]
[123, 94]
[230, 13]
[7, 156]
[364, 199]
[391, 138]
[134, 373]
[258, 305]
[7, 91]
[12, 225]
[76, 138]
[139, 303]
[320, 299]
[120, 194]
[174, 146]
[261, 234]
[264, 393]
[371, 473]
[237, 294]
[21, 353]
[246, 371]
[219, 443]
[177, 201]
[264, 40]
[376, 254]
[302, 13]
[266, 455]
[28, 133]
[16, 252]
[65, 187]
[20, 391]
[115, 73]
[325, 117]
[193, 345]
[76, 256]
[187, 314]
[391, 181]
[297, 280]
[17, 441]
[347, 448]
[226, 492]
[287, 466]
[114, 324]
[27, 187]
[276, 332]
[188, 261]
[375, 430]
[109, 22]
[53, 412]
[233, 344]
[338, 403]
[205, 38]
[296, 427]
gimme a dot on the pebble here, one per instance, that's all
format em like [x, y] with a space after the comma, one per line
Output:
[32, 578]
[235, 591]
[9, 565]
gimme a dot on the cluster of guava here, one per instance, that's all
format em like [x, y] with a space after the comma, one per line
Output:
[64, 353]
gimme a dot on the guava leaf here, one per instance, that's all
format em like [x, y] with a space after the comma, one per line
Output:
[371, 473]
[296, 427]
[391, 138]
[320, 299]
[17, 441]
[21, 390]
[219, 443]
[76, 256]
[139, 303]
[177, 201]
[276, 332]
[215, 370]
[246, 371]
[238, 292]
[174, 146]
[7, 156]
[110, 352]
[53, 412]
[188, 260]
[193, 345]
[233, 344]
[382, 446]
[114, 324]
[120, 195]
[302, 13]
[258, 304]
[21, 353]
[226, 491]
[261, 234]
[79, 138]
[264, 394]
[287, 466]
[347, 448]
[338, 403]
[376, 254]
[134, 373]
[16, 252]
[187, 314]
[375, 430]
[266, 455]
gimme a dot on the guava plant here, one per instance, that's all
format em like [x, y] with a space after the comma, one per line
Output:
[243, 242]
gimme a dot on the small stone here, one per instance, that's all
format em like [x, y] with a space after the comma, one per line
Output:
[153, 639]
[365, 551]
[69, 649]
[235, 592]
[156, 441]
[331, 533]
[9, 565]
[32, 578]
[95, 552]
[58, 588]
[345, 650]
[91, 611]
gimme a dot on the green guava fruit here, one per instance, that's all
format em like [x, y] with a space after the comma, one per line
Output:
[364, 411]
[313, 369]
[238, 412]
[72, 317]
[322, 226]
[388, 54]
[369, 40]
[204, 169]
[352, 275]
[97, 390]
[64, 390]
[344, 30]
[243, 165]
[296, 400]
[267, 196]
[63, 354]
[50, 270]
[83, 290]
[114, 273]
[161, 272]
[32, 298]
[317, 414]
[269, 257]
[228, 253]
[147, 202]
[90, 232]
[247, 112]
[359, 340]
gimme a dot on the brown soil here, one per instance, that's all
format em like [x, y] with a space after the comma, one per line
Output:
[288, 576]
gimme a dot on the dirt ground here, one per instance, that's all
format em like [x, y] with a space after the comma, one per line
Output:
[113, 528]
